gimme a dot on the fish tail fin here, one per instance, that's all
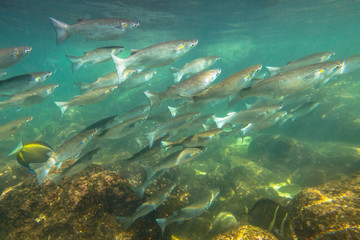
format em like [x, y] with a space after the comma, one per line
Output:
[219, 122]
[55, 178]
[61, 28]
[167, 145]
[177, 74]
[148, 171]
[126, 221]
[76, 62]
[286, 118]
[150, 137]
[41, 170]
[162, 223]
[120, 66]
[83, 86]
[139, 191]
[17, 148]
[173, 111]
[273, 70]
[63, 107]
[153, 97]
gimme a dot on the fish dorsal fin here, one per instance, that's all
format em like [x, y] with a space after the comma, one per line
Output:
[81, 20]
[133, 51]
[290, 62]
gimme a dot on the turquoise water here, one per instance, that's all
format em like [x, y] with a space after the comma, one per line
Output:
[242, 33]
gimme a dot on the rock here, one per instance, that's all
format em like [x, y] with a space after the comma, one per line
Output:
[246, 232]
[329, 211]
[82, 207]
[277, 149]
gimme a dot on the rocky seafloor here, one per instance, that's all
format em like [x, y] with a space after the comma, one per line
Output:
[311, 181]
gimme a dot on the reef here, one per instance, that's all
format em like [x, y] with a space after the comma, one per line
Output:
[328, 211]
[82, 207]
[246, 232]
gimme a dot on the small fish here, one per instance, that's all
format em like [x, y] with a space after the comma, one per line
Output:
[196, 126]
[94, 96]
[69, 149]
[107, 80]
[296, 80]
[246, 116]
[2, 74]
[229, 86]
[135, 112]
[301, 62]
[95, 56]
[193, 67]
[10, 56]
[273, 217]
[301, 111]
[82, 163]
[137, 79]
[141, 189]
[190, 86]
[104, 124]
[13, 127]
[30, 97]
[222, 223]
[352, 64]
[192, 210]
[156, 55]
[179, 157]
[186, 106]
[125, 128]
[171, 125]
[199, 139]
[262, 124]
[96, 29]
[150, 205]
[21, 83]
[147, 152]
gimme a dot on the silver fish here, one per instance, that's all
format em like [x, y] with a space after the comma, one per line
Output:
[177, 158]
[69, 149]
[96, 29]
[171, 125]
[156, 55]
[199, 139]
[107, 80]
[137, 79]
[296, 80]
[190, 86]
[193, 210]
[301, 111]
[150, 205]
[137, 111]
[97, 95]
[262, 124]
[21, 83]
[125, 128]
[230, 85]
[30, 97]
[10, 56]
[246, 116]
[193, 67]
[301, 62]
[95, 56]
[82, 163]
[13, 127]
[352, 64]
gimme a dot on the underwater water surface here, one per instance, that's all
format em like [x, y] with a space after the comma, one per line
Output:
[275, 162]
